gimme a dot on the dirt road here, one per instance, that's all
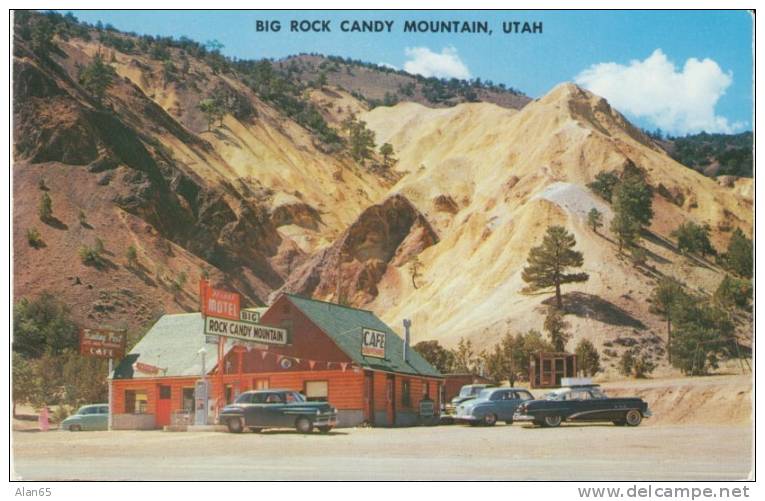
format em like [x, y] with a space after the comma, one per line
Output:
[572, 452]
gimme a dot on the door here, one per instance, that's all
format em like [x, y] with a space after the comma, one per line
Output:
[369, 397]
[163, 405]
[560, 370]
[260, 384]
[391, 399]
[506, 406]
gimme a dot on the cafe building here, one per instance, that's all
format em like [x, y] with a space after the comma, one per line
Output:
[343, 355]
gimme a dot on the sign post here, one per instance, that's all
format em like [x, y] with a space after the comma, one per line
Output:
[110, 421]
[104, 343]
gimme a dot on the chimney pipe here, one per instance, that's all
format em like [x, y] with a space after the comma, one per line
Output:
[407, 324]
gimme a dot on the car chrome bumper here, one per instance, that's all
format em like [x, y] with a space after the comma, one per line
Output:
[522, 417]
[464, 417]
[325, 421]
[647, 413]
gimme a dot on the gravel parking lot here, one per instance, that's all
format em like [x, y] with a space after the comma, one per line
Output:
[517, 452]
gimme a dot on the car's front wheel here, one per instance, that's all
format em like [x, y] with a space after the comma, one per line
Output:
[633, 417]
[304, 425]
[75, 427]
[234, 425]
[490, 419]
[552, 421]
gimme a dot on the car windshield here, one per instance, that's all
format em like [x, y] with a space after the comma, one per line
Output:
[576, 394]
[466, 391]
[557, 395]
[484, 395]
[295, 397]
[85, 410]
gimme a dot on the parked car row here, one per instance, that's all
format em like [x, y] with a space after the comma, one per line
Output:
[477, 405]
[573, 403]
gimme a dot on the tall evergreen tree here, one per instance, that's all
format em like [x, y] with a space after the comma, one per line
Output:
[703, 335]
[739, 258]
[548, 263]
[556, 327]
[587, 358]
[595, 219]
[667, 293]
[97, 77]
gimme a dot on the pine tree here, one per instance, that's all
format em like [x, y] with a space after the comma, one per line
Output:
[212, 111]
[556, 326]
[548, 263]
[45, 208]
[626, 230]
[386, 150]
[587, 358]
[667, 293]
[97, 77]
[132, 256]
[595, 219]
[703, 335]
[693, 238]
[739, 258]
[633, 209]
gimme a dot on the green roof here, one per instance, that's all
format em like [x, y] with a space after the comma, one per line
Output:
[344, 324]
[172, 344]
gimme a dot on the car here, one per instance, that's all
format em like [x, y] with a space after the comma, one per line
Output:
[467, 392]
[87, 418]
[275, 408]
[582, 403]
[492, 405]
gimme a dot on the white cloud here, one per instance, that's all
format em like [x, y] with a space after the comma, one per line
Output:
[427, 63]
[679, 102]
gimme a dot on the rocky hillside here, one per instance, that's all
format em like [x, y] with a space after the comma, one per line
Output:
[382, 85]
[266, 195]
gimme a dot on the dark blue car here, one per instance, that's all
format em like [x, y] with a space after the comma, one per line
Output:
[583, 403]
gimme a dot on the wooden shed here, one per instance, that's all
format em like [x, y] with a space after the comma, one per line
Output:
[546, 369]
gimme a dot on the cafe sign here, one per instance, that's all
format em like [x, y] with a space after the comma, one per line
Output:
[102, 343]
[245, 331]
[372, 343]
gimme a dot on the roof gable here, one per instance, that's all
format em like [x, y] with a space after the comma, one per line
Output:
[173, 345]
[344, 325]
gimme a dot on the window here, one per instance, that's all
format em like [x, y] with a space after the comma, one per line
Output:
[104, 409]
[188, 399]
[579, 395]
[405, 393]
[294, 396]
[274, 398]
[136, 401]
[164, 392]
[525, 395]
[317, 391]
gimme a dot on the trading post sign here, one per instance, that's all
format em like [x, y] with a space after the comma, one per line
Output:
[372, 343]
[102, 343]
[245, 331]
[219, 303]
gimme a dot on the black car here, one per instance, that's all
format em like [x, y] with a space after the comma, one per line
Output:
[261, 409]
[582, 403]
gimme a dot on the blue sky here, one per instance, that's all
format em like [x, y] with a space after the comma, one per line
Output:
[683, 71]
